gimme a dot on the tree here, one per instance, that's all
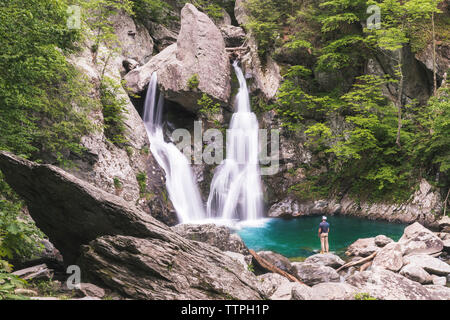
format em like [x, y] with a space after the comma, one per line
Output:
[399, 19]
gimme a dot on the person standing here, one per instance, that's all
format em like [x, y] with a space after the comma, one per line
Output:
[324, 229]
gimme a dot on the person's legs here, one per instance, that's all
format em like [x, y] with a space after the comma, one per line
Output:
[326, 243]
[322, 244]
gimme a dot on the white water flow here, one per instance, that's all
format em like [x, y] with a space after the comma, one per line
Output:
[236, 190]
[180, 182]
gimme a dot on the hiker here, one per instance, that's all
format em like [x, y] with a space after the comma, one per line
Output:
[324, 228]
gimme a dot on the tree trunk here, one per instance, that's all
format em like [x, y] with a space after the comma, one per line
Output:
[399, 96]
[355, 263]
[434, 55]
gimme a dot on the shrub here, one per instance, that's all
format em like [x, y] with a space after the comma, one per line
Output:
[193, 82]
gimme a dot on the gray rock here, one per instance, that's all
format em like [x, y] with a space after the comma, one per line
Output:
[387, 285]
[91, 290]
[301, 292]
[268, 283]
[311, 273]
[442, 58]
[287, 290]
[162, 35]
[382, 240]
[238, 257]
[444, 224]
[217, 236]
[438, 292]
[286, 207]
[135, 41]
[278, 260]
[430, 264]
[333, 291]
[200, 49]
[416, 273]
[120, 247]
[240, 12]
[233, 36]
[439, 281]
[359, 247]
[39, 272]
[390, 257]
[151, 268]
[421, 207]
[326, 259]
[418, 239]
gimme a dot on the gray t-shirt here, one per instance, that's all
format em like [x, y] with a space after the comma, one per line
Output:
[324, 227]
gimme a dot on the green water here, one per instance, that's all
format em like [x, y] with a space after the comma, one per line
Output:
[298, 237]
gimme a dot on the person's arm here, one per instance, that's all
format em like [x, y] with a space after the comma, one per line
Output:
[319, 232]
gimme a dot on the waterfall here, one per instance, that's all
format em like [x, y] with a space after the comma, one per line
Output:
[236, 190]
[180, 182]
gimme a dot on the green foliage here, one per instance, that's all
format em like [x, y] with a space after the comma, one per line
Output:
[213, 8]
[364, 296]
[251, 268]
[141, 177]
[193, 82]
[39, 89]
[19, 236]
[207, 107]
[155, 10]
[266, 21]
[8, 284]
[117, 183]
[430, 146]
[114, 111]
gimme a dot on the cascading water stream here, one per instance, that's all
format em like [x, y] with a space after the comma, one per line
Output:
[180, 182]
[236, 190]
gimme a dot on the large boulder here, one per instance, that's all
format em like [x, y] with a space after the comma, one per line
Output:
[278, 287]
[439, 292]
[362, 247]
[278, 261]
[418, 239]
[387, 285]
[288, 289]
[326, 259]
[390, 257]
[430, 264]
[301, 292]
[119, 246]
[312, 273]
[269, 283]
[416, 273]
[381, 240]
[199, 51]
[217, 236]
[134, 39]
[153, 268]
[333, 291]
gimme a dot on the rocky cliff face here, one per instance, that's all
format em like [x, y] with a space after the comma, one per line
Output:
[199, 53]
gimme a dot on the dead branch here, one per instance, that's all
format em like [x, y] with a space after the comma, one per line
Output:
[355, 263]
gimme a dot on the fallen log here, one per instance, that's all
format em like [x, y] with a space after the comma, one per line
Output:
[355, 263]
[266, 265]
